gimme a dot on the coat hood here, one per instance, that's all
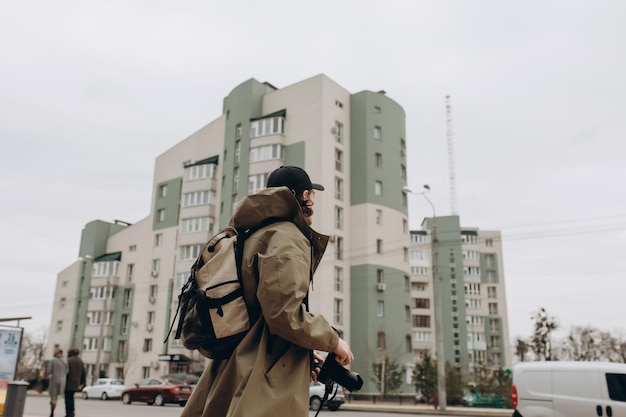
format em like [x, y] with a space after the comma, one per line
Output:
[277, 203]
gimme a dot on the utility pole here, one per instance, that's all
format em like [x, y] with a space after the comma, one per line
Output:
[437, 299]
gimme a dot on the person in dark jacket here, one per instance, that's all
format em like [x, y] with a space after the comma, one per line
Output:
[76, 378]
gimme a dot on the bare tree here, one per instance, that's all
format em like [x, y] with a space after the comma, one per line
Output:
[540, 341]
[521, 348]
[586, 343]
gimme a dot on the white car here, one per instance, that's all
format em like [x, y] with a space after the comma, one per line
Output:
[104, 388]
[316, 394]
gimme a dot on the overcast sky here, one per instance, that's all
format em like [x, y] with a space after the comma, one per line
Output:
[92, 92]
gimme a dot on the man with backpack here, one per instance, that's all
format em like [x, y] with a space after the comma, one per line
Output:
[269, 372]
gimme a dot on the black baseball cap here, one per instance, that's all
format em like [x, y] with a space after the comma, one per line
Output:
[295, 178]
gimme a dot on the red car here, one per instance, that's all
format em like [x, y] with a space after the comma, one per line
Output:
[158, 391]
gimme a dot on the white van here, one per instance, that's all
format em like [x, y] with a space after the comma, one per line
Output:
[569, 389]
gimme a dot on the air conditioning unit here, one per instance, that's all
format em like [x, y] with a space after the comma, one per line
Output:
[155, 273]
[150, 327]
[135, 324]
[152, 300]
[334, 130]
[381, 286]
[155, 364]
[332, 238]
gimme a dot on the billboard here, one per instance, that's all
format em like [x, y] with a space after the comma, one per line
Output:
[10, 340]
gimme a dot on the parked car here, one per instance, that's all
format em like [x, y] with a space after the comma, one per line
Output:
[158, 391]
[468, 400]
[104, 388]
[187, 378]
[316, 394]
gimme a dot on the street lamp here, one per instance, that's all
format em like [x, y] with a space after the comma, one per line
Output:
[439, 348]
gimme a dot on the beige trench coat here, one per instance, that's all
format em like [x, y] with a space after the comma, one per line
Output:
[268, 375]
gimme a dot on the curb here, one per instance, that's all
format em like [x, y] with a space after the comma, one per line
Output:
[420, 409]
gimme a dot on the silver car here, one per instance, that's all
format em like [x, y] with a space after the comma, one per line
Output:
[316, 394]
[104, 388]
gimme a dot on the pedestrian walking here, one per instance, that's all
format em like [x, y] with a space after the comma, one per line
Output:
[76, 378]
[57, 375]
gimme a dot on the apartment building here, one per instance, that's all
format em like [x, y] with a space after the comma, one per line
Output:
[475, 323]
[117, 300]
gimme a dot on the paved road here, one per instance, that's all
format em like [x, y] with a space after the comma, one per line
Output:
[38, 406]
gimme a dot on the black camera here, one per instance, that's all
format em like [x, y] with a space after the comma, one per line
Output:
[332, 371]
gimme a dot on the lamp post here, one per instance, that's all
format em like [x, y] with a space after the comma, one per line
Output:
[439, 348]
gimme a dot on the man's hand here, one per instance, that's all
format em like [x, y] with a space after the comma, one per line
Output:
[318, 361]
[344, 353]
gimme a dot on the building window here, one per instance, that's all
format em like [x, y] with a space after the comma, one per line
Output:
[238, 133]
[339, 104]
[130, 268]
[378, 188]
[339, 248]
[132, 248]
[377, 109]
[268, 126]
[381, 343]
[407, 283]
[198, 198]
[378, 160]
[380, 308]
[199, 172]
[62, 302]
[421, 321]
[267, 153]
[380, 276]
[405, 254]
[405, 226]
[338, 218]
[147, 345]
[162, 190]
[257, 182]
[379, 246]
[491, 292]
[158, 239]
[190, 252]
[338, 311]
[338, 160]
[407, 314]
[493, 325]
[197, 224]
[59, 325]
[156, 265]
[422, 303]
[378, 133]
[338, 188]
[235, 179]
[145, 372]
[379, 216]
[338, 131]
[150, 317]
[338, 279]
[154, 289]
[489, 242]
[402, 148]
[493, 309]
[161, 215]
[126, 298]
